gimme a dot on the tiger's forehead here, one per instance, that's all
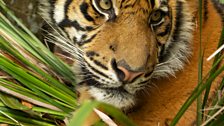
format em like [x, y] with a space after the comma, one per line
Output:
[124, 4]
[151, 4]
[139, 6]
[120, 4]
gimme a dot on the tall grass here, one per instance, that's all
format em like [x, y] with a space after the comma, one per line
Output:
[213, 116]
[32, 89]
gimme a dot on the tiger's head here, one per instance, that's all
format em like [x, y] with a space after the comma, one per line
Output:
[120, 45]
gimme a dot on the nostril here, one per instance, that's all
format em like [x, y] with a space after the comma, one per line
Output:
[113, 64]
[124, 74]
[129, 76]
[120, 73]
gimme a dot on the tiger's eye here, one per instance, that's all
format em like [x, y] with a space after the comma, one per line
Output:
[105, 4]
[156, 16]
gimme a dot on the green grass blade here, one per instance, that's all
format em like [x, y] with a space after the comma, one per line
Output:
[200, 66]
[207, 92]
[117, 115]
[38, 90]
[82, 113]
[218, 121]
[33, 82]
[194, 95]
[24, 94]
[12, 102]
[217, 101]
[35, 46]
[15, 104]
[100, 123]
[49, 111]
[19, 117]
[11, 50]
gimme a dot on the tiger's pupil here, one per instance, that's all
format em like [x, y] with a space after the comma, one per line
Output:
[105, 4]
[156, 17]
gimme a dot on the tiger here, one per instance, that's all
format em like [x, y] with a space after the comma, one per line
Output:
[219, 6]
[118, 47]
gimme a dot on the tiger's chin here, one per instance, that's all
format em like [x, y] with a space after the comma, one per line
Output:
[116, 97]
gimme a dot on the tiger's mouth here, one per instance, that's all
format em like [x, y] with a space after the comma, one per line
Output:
[113, 85]
[108, 88]
[117, 96]
[91, 82]
[132, 88]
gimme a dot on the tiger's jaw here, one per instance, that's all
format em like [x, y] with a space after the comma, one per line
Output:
[116, 97]
[114, 92]
[121, 97]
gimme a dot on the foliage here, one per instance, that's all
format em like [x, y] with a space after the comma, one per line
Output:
[32, 89]
[214, 116]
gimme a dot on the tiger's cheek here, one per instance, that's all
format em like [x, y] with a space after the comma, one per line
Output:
[163, 33]
[96, 54]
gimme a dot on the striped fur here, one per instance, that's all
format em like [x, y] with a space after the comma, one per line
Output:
[220, 8]
[125, 35]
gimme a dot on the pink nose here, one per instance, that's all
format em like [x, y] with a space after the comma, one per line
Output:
[126, 75]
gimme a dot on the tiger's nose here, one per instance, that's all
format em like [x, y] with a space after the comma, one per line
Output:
[124, 74]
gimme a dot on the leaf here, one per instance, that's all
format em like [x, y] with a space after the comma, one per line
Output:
[116, 114]
[12, 102]
[82, 113]
[197, 91]
[19, 118]
[87, 107]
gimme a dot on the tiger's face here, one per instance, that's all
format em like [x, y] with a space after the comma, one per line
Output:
[119, 43]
